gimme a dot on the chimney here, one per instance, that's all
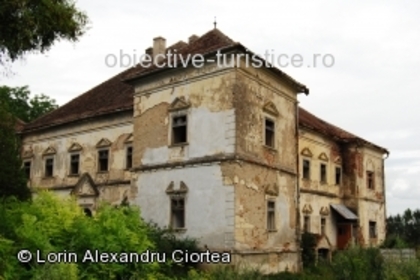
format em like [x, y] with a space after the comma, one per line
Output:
[192, 39]
[149, 51]
[159, 46]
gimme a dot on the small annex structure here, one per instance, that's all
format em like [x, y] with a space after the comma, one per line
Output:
[221, 154]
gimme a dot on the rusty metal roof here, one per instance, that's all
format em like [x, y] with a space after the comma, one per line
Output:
[344, 212]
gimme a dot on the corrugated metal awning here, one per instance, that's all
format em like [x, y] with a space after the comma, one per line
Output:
[344, 212]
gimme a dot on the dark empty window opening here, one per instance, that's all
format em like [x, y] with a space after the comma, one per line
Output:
[178, 212]
[338, 176]
[269, 133]
[306, 169]
[323, 175]
[370, 180]
[323, 225]
[129, 158]
[27, 169]
[372, 229]
[49, 163]
[179, 129]
[87, 212]
[103, 160]
[74, 164]
[306, 224]
[271, 225]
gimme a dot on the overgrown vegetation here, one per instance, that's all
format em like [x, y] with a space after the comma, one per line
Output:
[48, 224]
[403, 231]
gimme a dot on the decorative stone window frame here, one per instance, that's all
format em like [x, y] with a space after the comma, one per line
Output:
[49, 154]
[178, 108]
[270, 113]
[306, 155]
[25, 163]
[128, 145]
[74, 149]
[103, 145]
[271, 214]
[177, 194]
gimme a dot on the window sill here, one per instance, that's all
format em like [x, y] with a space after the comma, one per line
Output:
[271, 149]
[47, 177]
[179, 230]
[178, 145]
[73, 175]
[102, 172]
[271, 230]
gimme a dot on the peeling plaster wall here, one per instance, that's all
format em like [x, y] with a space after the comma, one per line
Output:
[210, 116]
[209, 203]
[87, 134]
[254, 88]
[353, 192]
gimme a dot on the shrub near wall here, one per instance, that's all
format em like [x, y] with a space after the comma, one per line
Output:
[49, 224]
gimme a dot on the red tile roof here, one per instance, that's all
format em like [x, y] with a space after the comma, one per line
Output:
[115, 95]
[312, 122]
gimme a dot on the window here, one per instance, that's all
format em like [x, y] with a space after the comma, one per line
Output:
[27, 169]
[323, 175]
[74, 164]
[129, 158]
[370, 180]
[338, 176]
[103, 160]
[306, 169]
[323, 225]
[177, 212]
[179, 129]
[269, 133]
[271, 225]
[49, 167]
[372, 229]
[306, 224]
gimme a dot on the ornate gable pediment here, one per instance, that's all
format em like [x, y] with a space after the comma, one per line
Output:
[49, 151]
[103, 143]
[129, 138]
[324, 211]
[85, 187]
[75, 147]
[182, 188]
[270, 108]
[337, 160]
[28, 153]
[271, 189]
[307, 209]
[179, 104]
[306, 152]
[323, 156]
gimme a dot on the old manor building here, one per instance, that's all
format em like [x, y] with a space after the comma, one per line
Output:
[221, 154]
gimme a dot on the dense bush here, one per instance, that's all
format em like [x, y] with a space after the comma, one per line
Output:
[49, 224]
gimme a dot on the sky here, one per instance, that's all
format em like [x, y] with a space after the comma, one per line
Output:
[361, 62]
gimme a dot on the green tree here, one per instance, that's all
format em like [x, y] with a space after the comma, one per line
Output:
[35, 25]
[12, 177]
[404, 228]
[17, 101]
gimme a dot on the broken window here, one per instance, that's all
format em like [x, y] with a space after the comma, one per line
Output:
[49, 167]
[179, 129]
[306, 169]
[372, 229]
[323, 175]
[177, 212]
[103, 156]
[269, 133]
[306, 224]
[27, 169]
[370, 180]
[271, 224]
[74, 164]
[323, 225]
[338, 176]
[129, 158]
